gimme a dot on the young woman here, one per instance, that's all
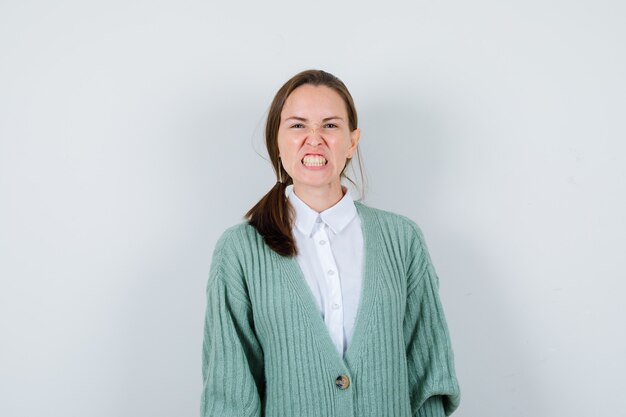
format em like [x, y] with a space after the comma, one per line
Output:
[317, 304]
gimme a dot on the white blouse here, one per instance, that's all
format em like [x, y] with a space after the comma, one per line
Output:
[330, 254]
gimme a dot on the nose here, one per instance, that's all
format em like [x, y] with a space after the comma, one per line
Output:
[313, 136]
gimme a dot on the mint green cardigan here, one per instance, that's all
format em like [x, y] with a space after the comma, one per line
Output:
[267, 351]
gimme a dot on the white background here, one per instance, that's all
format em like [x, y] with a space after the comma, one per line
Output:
[131, 137]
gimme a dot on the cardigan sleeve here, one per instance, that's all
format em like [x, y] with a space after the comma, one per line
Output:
[433, 386]
[232, 357]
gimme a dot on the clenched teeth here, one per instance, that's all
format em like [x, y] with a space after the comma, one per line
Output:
[316, 161]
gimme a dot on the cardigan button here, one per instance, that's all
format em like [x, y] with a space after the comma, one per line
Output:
[342, 382]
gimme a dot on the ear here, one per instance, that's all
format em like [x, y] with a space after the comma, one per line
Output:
[355, 137]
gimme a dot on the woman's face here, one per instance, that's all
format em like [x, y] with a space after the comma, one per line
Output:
[314, 121]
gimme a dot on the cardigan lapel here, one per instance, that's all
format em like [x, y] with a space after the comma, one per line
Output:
[369, 290]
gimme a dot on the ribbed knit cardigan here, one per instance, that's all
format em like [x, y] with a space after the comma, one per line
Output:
[267, 352]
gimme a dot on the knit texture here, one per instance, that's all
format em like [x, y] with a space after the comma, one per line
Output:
[267, 351]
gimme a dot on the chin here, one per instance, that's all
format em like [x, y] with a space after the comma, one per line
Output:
[321, 182]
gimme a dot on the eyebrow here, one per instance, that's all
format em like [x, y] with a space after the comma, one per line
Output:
[302, 119]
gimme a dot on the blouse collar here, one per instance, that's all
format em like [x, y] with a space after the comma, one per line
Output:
[336, 217]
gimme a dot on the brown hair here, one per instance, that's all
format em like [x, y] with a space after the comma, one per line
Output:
[273, 215]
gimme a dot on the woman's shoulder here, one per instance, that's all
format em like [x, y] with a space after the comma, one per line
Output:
[233, 246]
[239, 235]
[390, 220]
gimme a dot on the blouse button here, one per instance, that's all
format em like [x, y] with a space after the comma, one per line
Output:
[331, 272]
[322, 242]
[342, 382]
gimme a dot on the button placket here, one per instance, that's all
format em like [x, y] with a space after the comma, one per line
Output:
[334, 311]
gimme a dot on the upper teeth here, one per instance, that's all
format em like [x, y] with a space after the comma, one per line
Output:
[316, 160]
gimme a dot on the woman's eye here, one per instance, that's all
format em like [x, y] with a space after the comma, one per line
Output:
[298, 125]
[331, 125]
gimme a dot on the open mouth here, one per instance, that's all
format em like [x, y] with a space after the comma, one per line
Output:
[314, 161]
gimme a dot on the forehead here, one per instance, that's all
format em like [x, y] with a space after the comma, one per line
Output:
[315, 100]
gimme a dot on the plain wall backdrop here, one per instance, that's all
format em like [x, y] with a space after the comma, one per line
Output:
[131, 136]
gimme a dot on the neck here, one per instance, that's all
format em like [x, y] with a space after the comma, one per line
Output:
[320, 198]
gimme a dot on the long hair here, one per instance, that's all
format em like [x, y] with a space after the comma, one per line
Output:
[273, 215]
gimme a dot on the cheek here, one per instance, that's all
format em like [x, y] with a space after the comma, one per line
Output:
[339, 142]
[288, 152]
[285, 143]
[289, 140]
